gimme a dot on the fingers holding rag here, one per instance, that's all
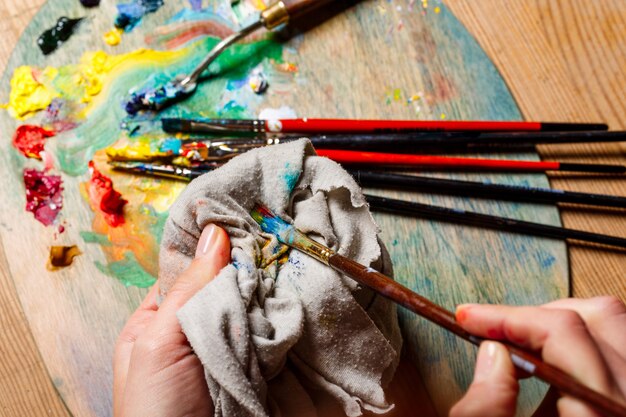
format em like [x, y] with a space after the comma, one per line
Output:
[560, 335]
[212, 254]
[135, 326]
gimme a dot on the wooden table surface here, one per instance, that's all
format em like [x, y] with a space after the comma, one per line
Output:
[563, 60]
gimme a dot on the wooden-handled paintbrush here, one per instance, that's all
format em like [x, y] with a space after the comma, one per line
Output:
[183, 85]
[288, 234]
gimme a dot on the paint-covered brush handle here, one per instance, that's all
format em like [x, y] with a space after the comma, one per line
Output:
[299, 7]
[282, 11]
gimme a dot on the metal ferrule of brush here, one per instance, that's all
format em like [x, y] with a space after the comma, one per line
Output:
[228, 125]
[303, 242]
[275, 15]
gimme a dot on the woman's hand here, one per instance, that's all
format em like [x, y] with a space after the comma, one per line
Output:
[585, 338]
[155, 372]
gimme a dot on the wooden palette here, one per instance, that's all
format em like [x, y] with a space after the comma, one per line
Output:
[380, 59]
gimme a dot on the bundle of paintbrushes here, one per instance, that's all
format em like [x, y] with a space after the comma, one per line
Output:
[369, 143]
[367, 146]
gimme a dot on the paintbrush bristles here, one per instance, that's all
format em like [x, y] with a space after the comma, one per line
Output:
[288, 234]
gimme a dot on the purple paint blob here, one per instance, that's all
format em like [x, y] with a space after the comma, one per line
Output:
[196, 5]
[43, 195]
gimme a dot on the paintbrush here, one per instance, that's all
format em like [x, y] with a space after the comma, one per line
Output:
[524, 194]
[370, 159]
[417, 183]
[387, 287]
[403, 142]
[277, 14]
[361, 126]
[459, 216]
[207, 152]
[413, 141]
[161, 171]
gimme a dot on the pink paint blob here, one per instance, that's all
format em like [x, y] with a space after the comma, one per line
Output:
[43, 195]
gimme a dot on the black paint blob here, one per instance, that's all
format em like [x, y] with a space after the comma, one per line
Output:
[90, 3]
[51, 39]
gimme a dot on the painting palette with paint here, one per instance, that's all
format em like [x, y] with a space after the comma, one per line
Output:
[378, 59]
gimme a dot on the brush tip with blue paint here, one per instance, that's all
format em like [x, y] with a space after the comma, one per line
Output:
[270, 222]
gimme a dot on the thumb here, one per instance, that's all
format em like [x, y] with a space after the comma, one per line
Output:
[493, 391]
[212, 254]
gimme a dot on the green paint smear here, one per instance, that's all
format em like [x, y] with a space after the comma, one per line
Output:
[75, 148]
[92, 237]
[127, 271]
[157, 225]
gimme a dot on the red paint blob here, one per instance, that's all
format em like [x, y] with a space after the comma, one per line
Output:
[30, 139]
[43, 195]
[105, 199]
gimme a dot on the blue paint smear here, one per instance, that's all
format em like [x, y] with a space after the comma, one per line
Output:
[130, 14]
[546, 260]
[171, 145]
[290, 177]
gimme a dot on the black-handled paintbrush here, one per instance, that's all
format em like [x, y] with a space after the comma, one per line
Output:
[396, 292]
[490, 191]
[410, 182]
[459, 216]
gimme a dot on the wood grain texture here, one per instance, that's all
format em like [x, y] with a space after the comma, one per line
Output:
[565, 60]
[553, 56]
[25, 385]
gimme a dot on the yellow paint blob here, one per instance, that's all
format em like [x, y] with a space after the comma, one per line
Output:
[113, 37]
[28, 93]
[259, 4]
[94, 66]
[141, 151]
[32, 90]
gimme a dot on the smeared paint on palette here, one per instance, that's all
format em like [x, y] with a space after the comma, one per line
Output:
[413, 53]
[76, 101]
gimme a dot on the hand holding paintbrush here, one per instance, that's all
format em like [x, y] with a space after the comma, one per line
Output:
[387, 287]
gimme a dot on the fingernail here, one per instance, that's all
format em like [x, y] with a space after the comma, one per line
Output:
[207, 239]
[461, 312]
[486, 361]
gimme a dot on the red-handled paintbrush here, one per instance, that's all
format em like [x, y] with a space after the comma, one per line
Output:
[364, 126]
[372, 159]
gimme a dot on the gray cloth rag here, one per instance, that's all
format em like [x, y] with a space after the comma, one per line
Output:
[267, 331]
